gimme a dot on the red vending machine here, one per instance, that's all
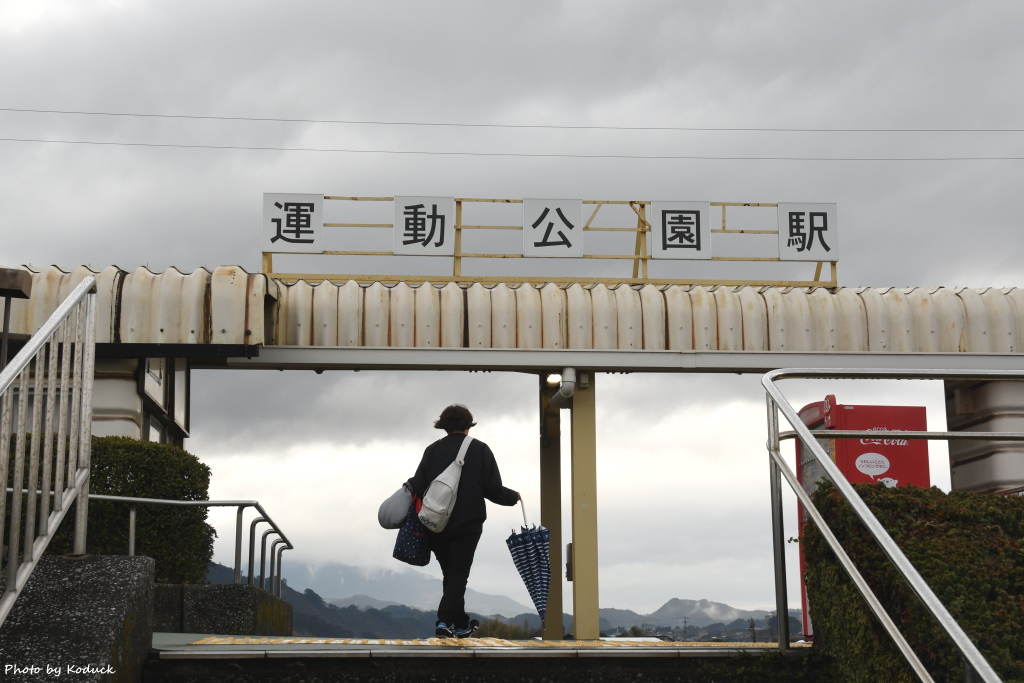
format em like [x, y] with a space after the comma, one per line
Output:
[887, 459]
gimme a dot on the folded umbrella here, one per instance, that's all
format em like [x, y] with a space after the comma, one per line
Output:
[531, 555]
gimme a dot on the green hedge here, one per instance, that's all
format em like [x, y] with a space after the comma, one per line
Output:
[968, 547]
[178, 538]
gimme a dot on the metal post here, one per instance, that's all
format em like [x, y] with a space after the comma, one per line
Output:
[238, 544]
[969, 674]
[252, 547]
[551, 506]
[272, 575]
[276, 587]
[584, 511]
[131, 531]
[88, 353]
[32, 472]
[778, 530]
[14, 540]
[14, 283]
[6, 333]
[263, 558]
[280, 570]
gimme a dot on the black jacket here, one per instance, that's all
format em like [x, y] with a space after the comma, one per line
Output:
[480, 480]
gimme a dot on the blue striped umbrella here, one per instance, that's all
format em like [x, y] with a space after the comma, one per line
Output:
[531, 554]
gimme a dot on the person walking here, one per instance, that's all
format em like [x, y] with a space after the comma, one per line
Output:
[455, 546]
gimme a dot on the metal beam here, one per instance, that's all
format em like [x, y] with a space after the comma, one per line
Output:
[537, 360]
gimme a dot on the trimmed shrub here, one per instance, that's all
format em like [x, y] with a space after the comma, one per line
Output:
[178, 538]
[968, 547]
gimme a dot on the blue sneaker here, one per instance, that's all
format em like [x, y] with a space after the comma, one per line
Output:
[443, 630]
[474, 626]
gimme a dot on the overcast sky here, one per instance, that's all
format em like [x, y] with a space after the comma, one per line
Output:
[682, 513]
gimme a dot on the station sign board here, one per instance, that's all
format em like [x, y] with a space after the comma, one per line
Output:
[293, 223]
[552, 228]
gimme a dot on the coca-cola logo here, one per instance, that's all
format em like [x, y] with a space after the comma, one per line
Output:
[884, 442]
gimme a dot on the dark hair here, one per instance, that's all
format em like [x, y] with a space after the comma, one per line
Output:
[455, 418]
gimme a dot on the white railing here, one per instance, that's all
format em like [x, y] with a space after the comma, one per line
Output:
[46, 436]
[976, 667]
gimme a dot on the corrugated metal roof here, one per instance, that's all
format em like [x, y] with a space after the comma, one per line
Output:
[225, 306]
[231, 306]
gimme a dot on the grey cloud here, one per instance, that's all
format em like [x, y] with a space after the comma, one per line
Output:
[237, 410]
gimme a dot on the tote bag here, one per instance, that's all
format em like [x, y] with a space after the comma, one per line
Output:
[412, 545]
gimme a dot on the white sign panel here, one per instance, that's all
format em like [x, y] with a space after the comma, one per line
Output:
[293, 223]
[680, 230]
[808, 232]
[424, 226]
[553, 227]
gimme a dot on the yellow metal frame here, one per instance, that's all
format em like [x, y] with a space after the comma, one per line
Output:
[585, 592]
[640, 257]
[551, 504]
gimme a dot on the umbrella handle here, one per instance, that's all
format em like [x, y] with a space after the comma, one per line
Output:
[523, 506]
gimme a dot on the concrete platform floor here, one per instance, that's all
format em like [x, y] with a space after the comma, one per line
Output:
[169, 646]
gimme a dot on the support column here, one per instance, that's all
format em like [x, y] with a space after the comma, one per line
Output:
[584, 510]
[551, 505]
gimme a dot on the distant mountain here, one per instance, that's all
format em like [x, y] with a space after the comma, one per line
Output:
[362, 602]
[700, 613]
[410, 588]
[677, 612]
[620, 617]
[363, 615]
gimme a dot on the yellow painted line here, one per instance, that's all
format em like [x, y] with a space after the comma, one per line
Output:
[476, 642]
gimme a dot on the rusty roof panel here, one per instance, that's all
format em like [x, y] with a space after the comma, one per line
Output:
[453, 316]
[503, 317]
[679, 319]
[630, 317]
[377, 315]
[325, 314]
[652, 308]
[528, 317]
[554, 308]
[754, 312]
[478, 313]
[581, 318]
[427, 316]
[705, 319]
[730, 319]
[350, 314]
[1002, 331]
[236, 307]
[605, 315]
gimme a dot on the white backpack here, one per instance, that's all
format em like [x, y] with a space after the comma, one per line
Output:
[439, 498]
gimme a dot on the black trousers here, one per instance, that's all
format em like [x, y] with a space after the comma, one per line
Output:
[455, 555]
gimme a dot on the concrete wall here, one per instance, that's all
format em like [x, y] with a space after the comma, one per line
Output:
[226, 609]
[82, 618]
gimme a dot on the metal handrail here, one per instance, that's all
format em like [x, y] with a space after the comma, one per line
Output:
[64, 471]
[776, 402]
[241, 505]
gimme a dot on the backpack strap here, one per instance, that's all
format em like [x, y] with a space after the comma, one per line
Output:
[461, 457]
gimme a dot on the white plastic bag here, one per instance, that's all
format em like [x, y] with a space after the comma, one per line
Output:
[393, 511]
